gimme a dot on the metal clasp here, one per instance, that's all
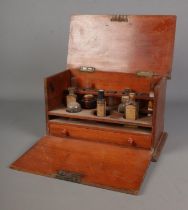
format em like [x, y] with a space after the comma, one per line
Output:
[69, 176]
[87, 69]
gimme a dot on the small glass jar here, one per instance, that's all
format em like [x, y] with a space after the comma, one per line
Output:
[122, 105]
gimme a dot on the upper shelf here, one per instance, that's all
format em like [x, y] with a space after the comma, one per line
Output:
[88, 114]
[144, 96]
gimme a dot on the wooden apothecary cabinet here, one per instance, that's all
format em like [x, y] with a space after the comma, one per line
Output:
[106, 152]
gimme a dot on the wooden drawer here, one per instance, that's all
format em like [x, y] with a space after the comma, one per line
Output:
[103, 134]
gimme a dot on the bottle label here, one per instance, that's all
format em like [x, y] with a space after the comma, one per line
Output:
[101, 109]
[70, 99]
[131, 112]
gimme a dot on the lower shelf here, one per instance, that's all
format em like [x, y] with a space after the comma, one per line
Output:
[88, 114]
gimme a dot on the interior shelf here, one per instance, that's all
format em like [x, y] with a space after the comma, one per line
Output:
[83, 91]
[88, 114]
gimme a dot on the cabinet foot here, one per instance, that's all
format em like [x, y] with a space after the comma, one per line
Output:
[159, 147]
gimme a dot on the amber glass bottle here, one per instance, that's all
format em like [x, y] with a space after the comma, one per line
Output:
[131, 109]
[71, 97]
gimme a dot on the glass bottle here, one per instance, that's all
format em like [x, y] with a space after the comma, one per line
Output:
[71, 97]
[131, 109]
[101, 104]
[122, 105]
[72, 105]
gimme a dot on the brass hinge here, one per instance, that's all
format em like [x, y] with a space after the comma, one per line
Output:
[69, 176]
[120, 18]
[146, 74]
[87, 69]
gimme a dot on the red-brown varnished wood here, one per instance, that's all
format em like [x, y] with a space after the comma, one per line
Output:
[100, 165]
[159, 107]
[54, 87]
[53, 90]
[97, 133]
[159, 147]
[114, 81]
[143, 42]
[109, 152]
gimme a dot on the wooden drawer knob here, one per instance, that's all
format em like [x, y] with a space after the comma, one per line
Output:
[131, 141]
[64, 132]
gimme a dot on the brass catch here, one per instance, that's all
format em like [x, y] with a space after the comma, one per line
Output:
[120, 18]
[87, 69]
[69, 176]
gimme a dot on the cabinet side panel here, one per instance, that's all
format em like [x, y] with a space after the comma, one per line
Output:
[159, 107]
[54, 87]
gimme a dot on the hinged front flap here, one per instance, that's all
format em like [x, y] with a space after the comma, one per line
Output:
[91, 163]
[122, 43]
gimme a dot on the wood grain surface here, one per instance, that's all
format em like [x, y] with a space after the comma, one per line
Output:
[102, 151]
[101, 165]
[144, 42]
[119, 136]
[116, 81]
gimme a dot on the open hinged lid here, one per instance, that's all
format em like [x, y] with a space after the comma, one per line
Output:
[128, 43]
[90, 163]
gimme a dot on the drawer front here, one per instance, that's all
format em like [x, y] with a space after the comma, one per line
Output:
[100, 135]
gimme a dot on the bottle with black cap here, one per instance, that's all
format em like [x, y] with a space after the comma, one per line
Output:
[101, 104]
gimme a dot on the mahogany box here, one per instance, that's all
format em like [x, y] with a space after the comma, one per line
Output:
[111, 53]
